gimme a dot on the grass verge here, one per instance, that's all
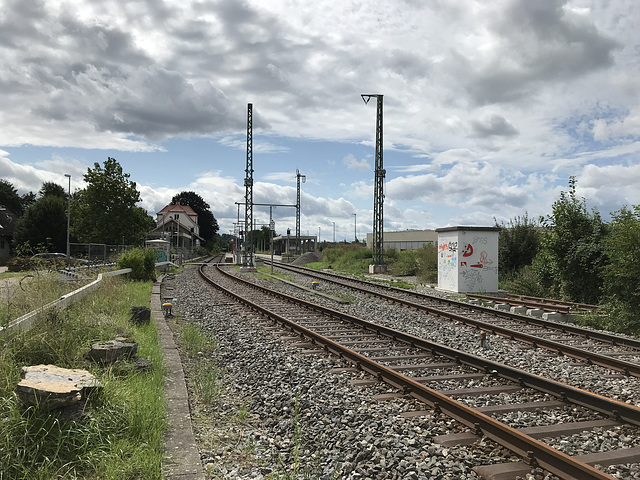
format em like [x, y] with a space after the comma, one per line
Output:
[119, 431]
[22, 292]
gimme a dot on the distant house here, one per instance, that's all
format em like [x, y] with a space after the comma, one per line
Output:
[7, 226]
[178, 224]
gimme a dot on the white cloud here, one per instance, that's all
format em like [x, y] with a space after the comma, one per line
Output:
[488, 107]
[350, 162]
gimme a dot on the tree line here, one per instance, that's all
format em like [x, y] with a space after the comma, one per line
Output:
[572, 254]
[104, 211]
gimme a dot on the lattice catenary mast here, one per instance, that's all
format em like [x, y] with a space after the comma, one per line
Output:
[299, 177]
[378, 194]
[247, 251]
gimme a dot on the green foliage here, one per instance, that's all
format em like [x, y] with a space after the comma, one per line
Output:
[621, 275]
[105, 211]
[573, 249]
[52, 189]
[422, 262]
[525, 282]
[261, 239]
[9, 197]
[141, 261]
[19, 264]
[518, 244]
[44, 222]
[349, 258]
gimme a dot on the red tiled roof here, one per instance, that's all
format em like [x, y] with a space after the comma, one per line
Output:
[177, 208]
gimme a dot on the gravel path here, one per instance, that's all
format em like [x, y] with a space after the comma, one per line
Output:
[283, 413]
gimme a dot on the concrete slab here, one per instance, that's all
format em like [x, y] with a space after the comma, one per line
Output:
[558, 317]
[181, 456]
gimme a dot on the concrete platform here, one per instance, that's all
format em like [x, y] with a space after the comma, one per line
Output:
[181, 456]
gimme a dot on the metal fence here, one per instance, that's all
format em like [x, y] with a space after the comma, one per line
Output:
[103, 253]
[98, 252]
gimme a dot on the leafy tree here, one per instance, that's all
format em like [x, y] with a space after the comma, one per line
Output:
[52, 189]
[44, 222]
[518, 245]
[572, 247]
[207, 223]
[621, 275]
[105, 211]
[28, 199]
[9, 197]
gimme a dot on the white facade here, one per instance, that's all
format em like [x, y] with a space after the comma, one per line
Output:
[468, 259]
[185, 221]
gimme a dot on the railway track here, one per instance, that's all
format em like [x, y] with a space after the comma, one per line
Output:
[613, 352]
[410, 364]
[546, 304]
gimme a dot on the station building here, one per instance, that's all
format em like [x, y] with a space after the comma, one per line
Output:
[177, 224]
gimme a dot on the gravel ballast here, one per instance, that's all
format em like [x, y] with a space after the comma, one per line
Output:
[285, 412]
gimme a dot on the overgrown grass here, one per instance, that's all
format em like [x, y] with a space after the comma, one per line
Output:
[290, 464]
[355, 260]
[204, 376]
[264, 273]
[524, 282]
[26, 291]
[119, 433]
[348, 258]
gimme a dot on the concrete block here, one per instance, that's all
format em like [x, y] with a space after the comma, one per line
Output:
[504, 307]
[535, 312]
[377, 268]
[518, 309]
[558, 317]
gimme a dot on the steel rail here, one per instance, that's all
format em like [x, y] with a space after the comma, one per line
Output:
[549, 307]
[603, 336]
[533, 451]
[575, 305]
[628, 368]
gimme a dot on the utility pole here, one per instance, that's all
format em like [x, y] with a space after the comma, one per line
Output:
[69, 217]
[378, 265]
[299, 176]
[355, 227]
[247, 251]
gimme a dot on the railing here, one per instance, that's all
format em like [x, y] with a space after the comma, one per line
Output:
[26, 321]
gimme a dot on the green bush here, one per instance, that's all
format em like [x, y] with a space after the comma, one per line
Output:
[401, 263]
[525, 281]
[422, 263]
[18, 264]
[621, 275]
[141, 261]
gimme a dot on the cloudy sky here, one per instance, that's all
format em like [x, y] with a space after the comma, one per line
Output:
[489, 107]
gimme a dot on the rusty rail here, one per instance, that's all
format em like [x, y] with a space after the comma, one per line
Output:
[535, 452]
